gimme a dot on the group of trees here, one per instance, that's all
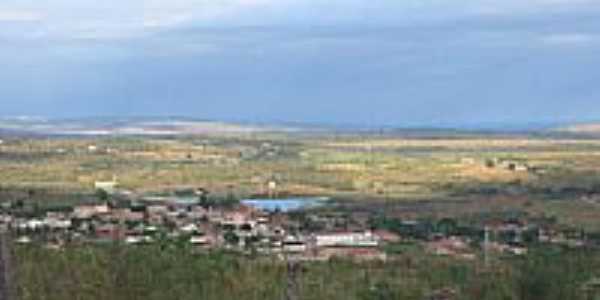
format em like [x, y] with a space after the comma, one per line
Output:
[422, 229]
[205, 199]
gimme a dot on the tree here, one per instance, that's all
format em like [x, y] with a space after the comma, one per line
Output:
[30, 194]
[102, 195]
[203, 199]
[447, 226]
[231, 238]
[19, 204]
[231, 200]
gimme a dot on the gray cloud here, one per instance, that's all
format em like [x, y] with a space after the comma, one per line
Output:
[352, 61]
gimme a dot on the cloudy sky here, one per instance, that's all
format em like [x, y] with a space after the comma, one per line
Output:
[394, 62]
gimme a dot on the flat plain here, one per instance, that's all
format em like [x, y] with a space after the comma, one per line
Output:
[556, 175]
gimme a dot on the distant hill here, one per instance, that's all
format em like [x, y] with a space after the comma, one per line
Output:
[143, 126]
[168, 126]
[583, 129]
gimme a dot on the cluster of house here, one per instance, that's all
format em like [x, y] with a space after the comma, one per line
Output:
[155, 220]
[250, 229]
[508, 237]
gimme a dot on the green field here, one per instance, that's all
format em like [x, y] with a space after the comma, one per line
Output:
[348, 166]
[357, 168]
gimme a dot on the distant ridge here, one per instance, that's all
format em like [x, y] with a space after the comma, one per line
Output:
[134, 126]
[174, 125]
[584, 128]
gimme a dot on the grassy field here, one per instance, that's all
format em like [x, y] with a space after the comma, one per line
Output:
[367, 169]
[349, 166]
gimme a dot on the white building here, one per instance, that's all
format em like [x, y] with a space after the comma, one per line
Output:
[294, 245]
[107, 186]
[199, 240]
[56, 223]
[347, 239]
[190, 228]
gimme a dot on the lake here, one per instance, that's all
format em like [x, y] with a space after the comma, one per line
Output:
[267, 204]
[286, 204]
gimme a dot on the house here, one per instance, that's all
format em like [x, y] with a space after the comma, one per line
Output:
[189, 228]
[138, 239]
[452, 246]
[134, 239]
[157, 210]
[32, 224]
[294, 244]
[197, 212]
[506, 248]
[200, 240]
[517, 250]
[109, 232]
[6, 218]
[347, 239]
[57, 221]
[514, 166]
[126, 214]
[23, 240]
[387, 236]
[155, 214]
[241, 215]
[88, 211]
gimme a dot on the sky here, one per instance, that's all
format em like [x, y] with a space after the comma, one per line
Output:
[377, 62]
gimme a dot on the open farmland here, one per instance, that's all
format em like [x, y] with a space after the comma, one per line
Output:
[345, 167]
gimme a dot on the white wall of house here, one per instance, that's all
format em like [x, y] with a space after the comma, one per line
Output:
[350, 239]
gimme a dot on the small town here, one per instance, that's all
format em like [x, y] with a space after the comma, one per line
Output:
[279, 227]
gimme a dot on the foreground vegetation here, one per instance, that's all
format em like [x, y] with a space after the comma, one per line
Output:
[155, 272]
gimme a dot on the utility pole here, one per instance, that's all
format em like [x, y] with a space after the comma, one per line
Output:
[292, 288]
